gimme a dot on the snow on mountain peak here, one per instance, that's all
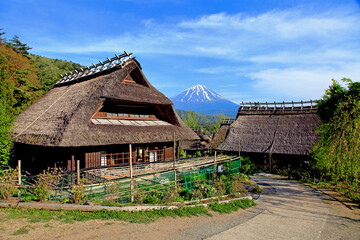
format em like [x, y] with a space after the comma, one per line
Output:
[198, 93]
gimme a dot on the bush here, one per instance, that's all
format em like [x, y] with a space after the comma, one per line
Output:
[247, 166]
[45, 182]
[8, 183]
[78, 192]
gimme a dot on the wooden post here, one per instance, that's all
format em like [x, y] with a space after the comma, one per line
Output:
[174, 147]
[72, 163]
[239, 144]
[19, 172]
[214, 168]
[78, 171]
[131, 174]
[19, 177]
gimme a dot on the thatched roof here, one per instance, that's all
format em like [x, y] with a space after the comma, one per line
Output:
[220, 135]
[281, 130]
[62, 116]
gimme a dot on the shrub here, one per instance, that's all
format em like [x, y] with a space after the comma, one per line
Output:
[220, 186]
[45, 182]
[247, 166]
[170, 195]
[8, 183]
[78, 192]
[111, 190]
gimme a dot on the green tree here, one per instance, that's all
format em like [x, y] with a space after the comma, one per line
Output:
[191, 119]
[337, 154]
[19, 46]
[218, 122]
[335, 95]
[2, 33]
[6, 120]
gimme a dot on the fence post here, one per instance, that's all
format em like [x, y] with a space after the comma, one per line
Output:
[131, 174]
[72, 163]
[175, 179]
[214, 168]
[19, 172]
[19, 177]
[174, 147]
[78, 172]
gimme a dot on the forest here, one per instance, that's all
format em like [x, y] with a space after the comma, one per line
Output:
[24, 78]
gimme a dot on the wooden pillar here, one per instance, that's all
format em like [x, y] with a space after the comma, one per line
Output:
[131, 174]
[72, 162]
[174, 147]
[19, 177]
[239, 144]
[164, 150]
[19, 172]
[78, 172]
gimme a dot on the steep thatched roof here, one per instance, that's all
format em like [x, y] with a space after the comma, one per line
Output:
[281, 130]
[220, 136]
[62, 116]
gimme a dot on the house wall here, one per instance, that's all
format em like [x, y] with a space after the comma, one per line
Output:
[35, 159]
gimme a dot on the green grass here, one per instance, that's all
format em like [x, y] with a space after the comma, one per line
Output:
[35, 215]
[232, 206]
[134, 217]
[23, 230]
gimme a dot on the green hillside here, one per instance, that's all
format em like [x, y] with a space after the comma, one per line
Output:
[24, 78]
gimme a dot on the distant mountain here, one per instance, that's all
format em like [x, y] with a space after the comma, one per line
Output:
[203, 100]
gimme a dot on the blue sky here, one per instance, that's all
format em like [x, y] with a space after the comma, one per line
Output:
[254, 50]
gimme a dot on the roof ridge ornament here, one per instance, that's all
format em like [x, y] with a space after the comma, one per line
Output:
[279, 106]
[110, 63]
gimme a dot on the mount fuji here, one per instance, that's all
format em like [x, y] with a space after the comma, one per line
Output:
[203, 100]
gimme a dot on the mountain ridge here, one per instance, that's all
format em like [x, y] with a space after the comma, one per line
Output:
[203, 100]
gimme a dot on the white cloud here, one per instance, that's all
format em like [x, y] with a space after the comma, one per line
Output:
[300, 84]
[288, 53]
[228, 36]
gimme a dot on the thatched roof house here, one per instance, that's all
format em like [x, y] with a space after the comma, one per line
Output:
[221, 134]
[101, 109]
[278, 128]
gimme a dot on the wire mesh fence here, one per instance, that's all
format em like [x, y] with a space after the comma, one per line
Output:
[116, 184]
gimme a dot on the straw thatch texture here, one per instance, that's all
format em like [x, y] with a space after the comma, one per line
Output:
[220, 135]
[64, 113]
[275, 132]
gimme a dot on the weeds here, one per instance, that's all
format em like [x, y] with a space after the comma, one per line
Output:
[256, 189]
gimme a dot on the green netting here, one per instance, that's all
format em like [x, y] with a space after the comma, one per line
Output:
[235, 166]
[190, 177]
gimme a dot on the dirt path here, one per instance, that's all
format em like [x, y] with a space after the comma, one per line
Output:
[291, 210]
[288, 210]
